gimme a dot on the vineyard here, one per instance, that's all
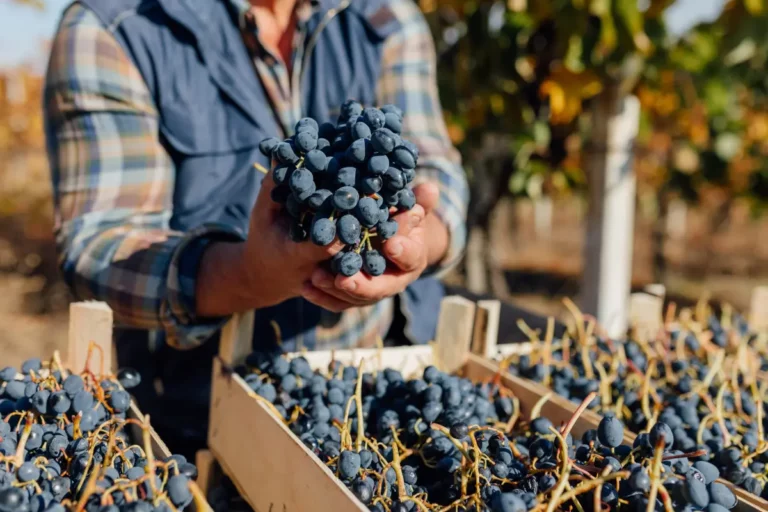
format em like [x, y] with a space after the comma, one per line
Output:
[670, 415]
[518, 82]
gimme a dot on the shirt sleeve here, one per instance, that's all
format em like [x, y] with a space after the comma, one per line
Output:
[409, 80]
[113, 185]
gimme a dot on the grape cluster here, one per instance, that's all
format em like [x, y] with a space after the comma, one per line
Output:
[440, 442]
[64, 445]
[700, 380]
[344, 181]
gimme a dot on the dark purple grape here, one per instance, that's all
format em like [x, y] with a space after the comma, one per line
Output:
[306, 124]
[374, 263]
[610, 431]
[348, 229]
[359, 152]
[345, 198]
[346, 177]
[387, 230]
[327, 131]
[403, 158]
[351, 108]
[178, 491]
[374, 118]
[350, 264]
[306, 141]
[378, 165]
[393, 122]
[284, 154]
[359, 130]
[320, 199]
[383, 141]
[406, 199]
[323, 231]
[367, 212]
[370, 185]
[267, 146]
[316, 161]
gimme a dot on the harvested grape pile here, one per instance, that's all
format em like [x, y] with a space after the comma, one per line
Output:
[444, 443]
[700, 380]
[64, 446]
[344, 181]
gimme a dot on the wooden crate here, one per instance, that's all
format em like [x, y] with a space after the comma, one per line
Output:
[646, 310]
[272, 468]
[90, 323]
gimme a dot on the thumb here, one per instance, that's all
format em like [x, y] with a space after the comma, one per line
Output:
[427, 195]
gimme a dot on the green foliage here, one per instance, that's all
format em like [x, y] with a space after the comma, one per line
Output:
[515, 77]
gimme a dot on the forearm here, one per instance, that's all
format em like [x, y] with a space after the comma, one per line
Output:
[223, 284]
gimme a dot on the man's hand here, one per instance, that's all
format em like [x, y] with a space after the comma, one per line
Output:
[421, 240]
[266, 270]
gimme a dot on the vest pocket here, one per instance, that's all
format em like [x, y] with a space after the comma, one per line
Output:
[201, 129]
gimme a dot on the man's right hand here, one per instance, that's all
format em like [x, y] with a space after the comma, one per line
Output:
[265, 270]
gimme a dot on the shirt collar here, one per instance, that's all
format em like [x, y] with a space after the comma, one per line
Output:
[241, 9]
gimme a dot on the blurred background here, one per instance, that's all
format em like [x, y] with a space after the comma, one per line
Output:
[527, 88]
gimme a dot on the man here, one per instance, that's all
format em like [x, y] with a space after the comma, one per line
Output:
[154, 112]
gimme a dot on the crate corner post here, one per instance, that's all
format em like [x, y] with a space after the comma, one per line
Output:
[90, 322]
[453, 339]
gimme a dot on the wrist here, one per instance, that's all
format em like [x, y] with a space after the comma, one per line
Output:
[226, 283]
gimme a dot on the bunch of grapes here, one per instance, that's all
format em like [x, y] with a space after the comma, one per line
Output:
[345, 181]
[439, 442]
[709, 403]
[64, 446]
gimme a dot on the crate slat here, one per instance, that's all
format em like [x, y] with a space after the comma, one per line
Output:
[271, 468]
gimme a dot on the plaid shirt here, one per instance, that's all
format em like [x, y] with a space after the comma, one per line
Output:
[113, 180]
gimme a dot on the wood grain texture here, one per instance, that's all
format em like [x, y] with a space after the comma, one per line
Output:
[454, 333]
[758, 311]
[486, 331]
[90, 322]
[237, 338]
[270, 467]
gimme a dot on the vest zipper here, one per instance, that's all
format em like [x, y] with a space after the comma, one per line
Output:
[298, 71]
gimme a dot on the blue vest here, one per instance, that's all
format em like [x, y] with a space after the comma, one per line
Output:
[213, 113]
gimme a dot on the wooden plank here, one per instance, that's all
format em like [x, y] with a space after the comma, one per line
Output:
[509, 349]
[645, 313]
[411, 360]
[208, 471]
[558, 409]
[758, 311]
[271, 468]
[454, 332]
[237, 339]
[90, 322]
[486, 331]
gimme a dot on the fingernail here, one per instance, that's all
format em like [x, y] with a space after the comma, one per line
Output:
[349, 286]
[415, 220]
[395, 248]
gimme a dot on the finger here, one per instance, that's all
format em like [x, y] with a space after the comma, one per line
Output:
[406, 252]
[323, 300]
[371, 289]
[409, 220]
[326, 282]
[427, 195]
[312, 253]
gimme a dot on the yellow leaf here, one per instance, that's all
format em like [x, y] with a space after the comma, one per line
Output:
[566, 90]
[754, 7]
